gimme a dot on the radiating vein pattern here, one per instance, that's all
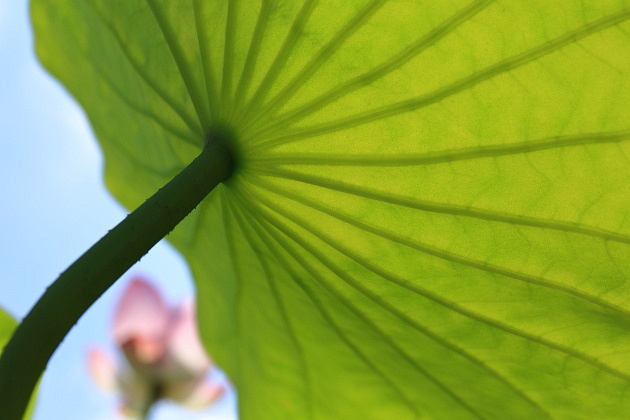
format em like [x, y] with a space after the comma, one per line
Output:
[430, 216]
[373, 212]
[377, 72]
[469, 82]
[358, 285]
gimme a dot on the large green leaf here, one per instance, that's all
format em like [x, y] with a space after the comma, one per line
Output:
[429, 217]
[7, 325]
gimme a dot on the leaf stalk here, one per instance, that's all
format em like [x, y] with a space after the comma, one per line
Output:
[26, 355]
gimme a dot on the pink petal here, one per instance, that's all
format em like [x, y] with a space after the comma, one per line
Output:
[102, 369]
[183, 345]
[195, 395]
[141, 312]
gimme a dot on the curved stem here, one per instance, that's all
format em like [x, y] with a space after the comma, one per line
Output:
[26, 354]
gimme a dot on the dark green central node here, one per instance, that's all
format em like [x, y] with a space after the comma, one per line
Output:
[224, 135]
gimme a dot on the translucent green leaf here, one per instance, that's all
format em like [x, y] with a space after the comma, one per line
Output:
[429, 217]
[7, 325]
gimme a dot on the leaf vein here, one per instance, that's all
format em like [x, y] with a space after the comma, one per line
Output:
[448, 304]
[278, 63]
[454, 88]
[327, 317]
[185, 71]
[440, 208]
[154, 86]
[405, 318]
[319, 59]
[447, 156]
[348, 304]
[238, 301]
[445, 255]
[380, 71]
[252, 55]
[206, 62]
[228, 57]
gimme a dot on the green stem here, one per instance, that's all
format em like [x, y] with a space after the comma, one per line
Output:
[26, 354]
[156, 391]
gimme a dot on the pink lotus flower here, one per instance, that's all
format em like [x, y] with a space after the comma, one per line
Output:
[164, 357]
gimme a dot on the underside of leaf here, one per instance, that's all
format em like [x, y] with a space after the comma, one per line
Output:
[429, 213]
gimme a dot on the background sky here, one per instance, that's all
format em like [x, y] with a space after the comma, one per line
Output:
[54, 207]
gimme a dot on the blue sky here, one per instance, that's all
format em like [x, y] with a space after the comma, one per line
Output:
[54, 206]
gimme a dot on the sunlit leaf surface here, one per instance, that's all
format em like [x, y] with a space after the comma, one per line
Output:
[7, 325]
[430, 214]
